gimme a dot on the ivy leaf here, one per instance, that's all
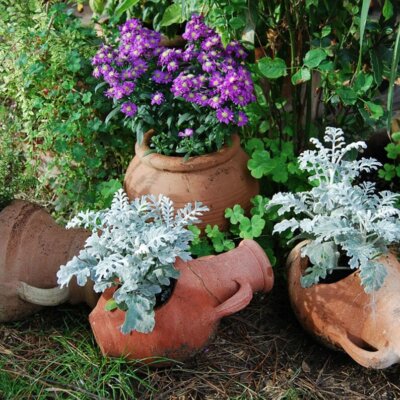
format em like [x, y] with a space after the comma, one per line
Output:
[253, 145]
[272, 68]
[260, 164]
[172, 15]
[314, 57]
[362, 83]
[301, 76]
[393, 150]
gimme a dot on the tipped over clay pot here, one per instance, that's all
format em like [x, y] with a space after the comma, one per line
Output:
[32, 248]
[207, 290]
[342, 315]
[219, 180]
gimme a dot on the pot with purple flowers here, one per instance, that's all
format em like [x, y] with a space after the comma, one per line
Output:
[186, 108]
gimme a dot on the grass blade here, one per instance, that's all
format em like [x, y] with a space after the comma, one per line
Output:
[363, 22]
[393, 71]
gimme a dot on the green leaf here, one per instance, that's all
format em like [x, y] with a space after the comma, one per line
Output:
[387, 10]
[388, 172]
[219, 239]
[260, 164]
[112, 113]
[372, 275]
[348, 95]
[363, 22]
[234, 214]
[375, 110]
[393, 150]
[393, 74]
[362, 83]
[254, 144]
[86, 97]
[314, 57]
[111, 305]
[302, 75]
[272, 68]
[173, 15]
[251, 228]
[377, 67]
[124, 6]
[78, 152]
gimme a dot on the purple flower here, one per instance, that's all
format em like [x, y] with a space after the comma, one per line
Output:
[211, 41]
[129, 109]
[215, 101]
[97, 72]
[160, 76]
[201, 99]
[186, 133]
[242, 119]
[196, 29]
[225, 115]
[128, 87]
[157, 98]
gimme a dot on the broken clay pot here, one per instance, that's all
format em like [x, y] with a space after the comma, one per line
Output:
[32, 249]
[219, 180]
[208, 289]
[342, 315]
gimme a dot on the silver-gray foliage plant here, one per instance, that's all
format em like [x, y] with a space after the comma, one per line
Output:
[337, 212]
[133, 246]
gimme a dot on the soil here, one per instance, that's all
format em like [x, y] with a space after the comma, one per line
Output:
[259, 353]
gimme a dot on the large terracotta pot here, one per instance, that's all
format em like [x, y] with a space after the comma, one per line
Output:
[207, 290]
[32, 248]
[342, 315]
[219, 180]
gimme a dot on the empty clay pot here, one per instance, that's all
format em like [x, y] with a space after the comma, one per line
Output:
[207, 290]
[32, 248]
[342, 315]
[219, 180]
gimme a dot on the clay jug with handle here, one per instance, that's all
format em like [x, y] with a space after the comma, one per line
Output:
[208, 289]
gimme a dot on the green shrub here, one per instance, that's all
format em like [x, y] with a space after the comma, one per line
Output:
[45, 79]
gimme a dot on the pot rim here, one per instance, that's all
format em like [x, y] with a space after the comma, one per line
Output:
[178, 164]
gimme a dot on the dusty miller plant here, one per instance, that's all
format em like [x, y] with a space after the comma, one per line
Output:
[338, 214]
[133, 246]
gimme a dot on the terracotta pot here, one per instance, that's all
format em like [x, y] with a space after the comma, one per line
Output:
[207, 290]
[32, 248]
[219, 180]
[342, 315]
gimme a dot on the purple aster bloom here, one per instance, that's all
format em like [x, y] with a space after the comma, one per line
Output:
[191, 97]
[196, 29]
[235, 48]
[166, 56]
[210, 42]
[129, 109]
[215, 101]
[127, 88]
[97, 72]
[216, 80]
[225, 115]
[201, 99]
[111, 76]
[159, 76]
[189, 53]
[157, 98]
[209, 66]
[172, 66]
[186, 133]
[242, 119]
[131, 25]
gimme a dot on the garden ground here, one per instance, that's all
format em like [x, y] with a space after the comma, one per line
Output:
[260, 353]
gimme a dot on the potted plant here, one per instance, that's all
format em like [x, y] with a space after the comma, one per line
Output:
[32, 247]
[185, 107]
[156, 301]
[348, 228]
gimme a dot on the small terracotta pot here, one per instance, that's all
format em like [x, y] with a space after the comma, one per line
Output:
[343, 316]
[207, 290]
[219, 180]
[32, 249]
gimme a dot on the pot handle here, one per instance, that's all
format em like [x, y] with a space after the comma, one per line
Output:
[235, 303]
[377, 359]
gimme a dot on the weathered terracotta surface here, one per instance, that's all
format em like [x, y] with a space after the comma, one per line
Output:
[207, 290]
[219, 180]
[32, 248]
[341, 314]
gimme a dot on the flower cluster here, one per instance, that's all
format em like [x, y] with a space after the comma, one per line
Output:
[151, 82]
